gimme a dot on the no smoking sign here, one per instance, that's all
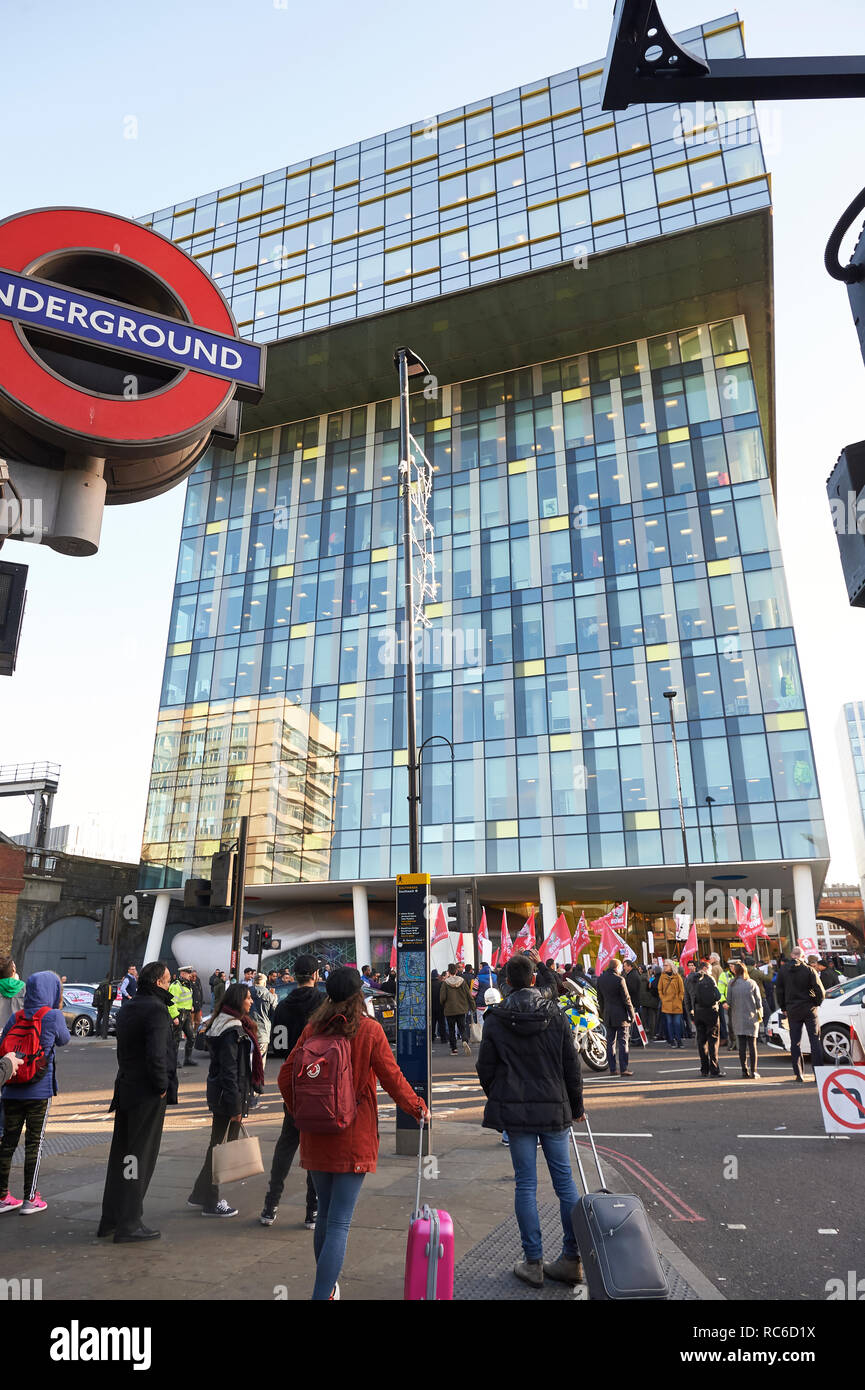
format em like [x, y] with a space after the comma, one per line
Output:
[842, 1099]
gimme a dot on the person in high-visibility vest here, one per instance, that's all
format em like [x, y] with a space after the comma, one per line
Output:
[181, 1011]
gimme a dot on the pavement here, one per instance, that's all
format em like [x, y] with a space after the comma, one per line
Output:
[748, 1199]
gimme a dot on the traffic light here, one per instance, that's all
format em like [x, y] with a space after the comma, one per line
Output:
[222, 869]
[269, 942]
[252, 940]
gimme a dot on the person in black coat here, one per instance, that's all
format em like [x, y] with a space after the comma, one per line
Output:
[530, 1072]
[289, 1020]
[800, 994]
[619, 1013]
[235, 1078]
[706, 1008]
[632, 984]
[146, 1082]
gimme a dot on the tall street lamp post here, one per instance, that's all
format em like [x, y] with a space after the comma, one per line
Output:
[670, 695]
[409, 365]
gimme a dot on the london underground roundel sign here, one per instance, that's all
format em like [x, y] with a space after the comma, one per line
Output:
[116, 345]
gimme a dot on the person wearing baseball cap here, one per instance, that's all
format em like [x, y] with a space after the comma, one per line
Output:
[290, 1017]
[799, 994]
[339, 1160]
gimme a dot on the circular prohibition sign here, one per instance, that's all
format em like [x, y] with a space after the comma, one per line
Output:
[40, 243]
[832, 1081]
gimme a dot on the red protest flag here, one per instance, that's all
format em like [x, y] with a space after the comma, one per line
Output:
[485, 946]
[558, 940]
[611, 941]
[526, 939]
[495, 960]
[581, 938]
[507, 946]
[461, 954]
[393, 951]
[690, 947]
[441, 927]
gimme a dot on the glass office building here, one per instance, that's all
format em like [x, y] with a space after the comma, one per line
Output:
[594, 295]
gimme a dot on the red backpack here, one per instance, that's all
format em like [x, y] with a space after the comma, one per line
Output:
[25, 1038]
[324, 1098]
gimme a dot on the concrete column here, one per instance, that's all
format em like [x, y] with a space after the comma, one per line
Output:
[34, 820]
[157, 927]
[361, 925]
[547, 895]
[803, 895]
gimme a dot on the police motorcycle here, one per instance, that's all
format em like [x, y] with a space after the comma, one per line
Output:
[580, 1006]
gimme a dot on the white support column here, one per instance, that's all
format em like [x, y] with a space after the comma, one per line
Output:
[361, 925]
[803, 895]
[547, 895]
[157, 927]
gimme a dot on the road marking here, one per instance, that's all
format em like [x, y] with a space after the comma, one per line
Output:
[612, 1134]
[826, 1231]
[736, 1228]
[672, 1071]
[792, 1136]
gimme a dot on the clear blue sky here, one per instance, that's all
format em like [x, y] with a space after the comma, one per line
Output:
[231, 88]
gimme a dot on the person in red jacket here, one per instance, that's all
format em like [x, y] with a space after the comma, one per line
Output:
[339, 1161]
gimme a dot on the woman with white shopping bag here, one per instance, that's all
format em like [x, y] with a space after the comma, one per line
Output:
[236, 1075]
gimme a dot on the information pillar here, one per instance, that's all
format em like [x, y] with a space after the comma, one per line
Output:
[413, 1001]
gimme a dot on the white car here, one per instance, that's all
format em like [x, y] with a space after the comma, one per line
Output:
[841, 1017]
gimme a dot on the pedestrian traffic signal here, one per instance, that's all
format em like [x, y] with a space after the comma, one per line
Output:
[252, 940]
[269, 942]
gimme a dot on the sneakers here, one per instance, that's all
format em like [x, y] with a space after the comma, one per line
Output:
[565, 1271]
[334, 1298]
[310, 1220]
[531, 1272]
[506, 1141]
[221, 1209]
[32, 1204]
[10, 1203]
[467, 1048]
[196, 1206]
[453, 1052]
[268, 1214]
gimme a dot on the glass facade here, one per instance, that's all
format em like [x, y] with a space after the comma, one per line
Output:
[604, 527]
[524, 179]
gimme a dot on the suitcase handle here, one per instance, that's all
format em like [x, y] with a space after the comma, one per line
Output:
[419, 1167]
[603, 1187]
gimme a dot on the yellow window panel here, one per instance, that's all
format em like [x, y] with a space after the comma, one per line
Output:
[577, 393]
[561, 743]
[400, 757]
[775, 723]
[180, 649]
[555, 523]
[718, 567]
[313, 453]
[505, 829]
[444, 423]
[348, 692]
[301, 630]
[520, 465]
[659, 651]
[384, 552]
[674, 436]
[529, 668]
[642, 820]
[282, 572]
[214, 527]
[732, 359]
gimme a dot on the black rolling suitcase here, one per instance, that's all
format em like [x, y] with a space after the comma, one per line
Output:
[616, 1247]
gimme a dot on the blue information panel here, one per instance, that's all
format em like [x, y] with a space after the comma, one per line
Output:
[412, 996]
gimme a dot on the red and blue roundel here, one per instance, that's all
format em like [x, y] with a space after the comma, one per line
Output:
[113, 342]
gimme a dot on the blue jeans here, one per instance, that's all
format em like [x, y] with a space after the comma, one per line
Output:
[621, 1034]
[337, 1196]
[524, 1156]
[673, 1025]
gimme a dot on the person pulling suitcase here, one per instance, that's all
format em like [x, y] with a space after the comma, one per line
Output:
[530, 1071]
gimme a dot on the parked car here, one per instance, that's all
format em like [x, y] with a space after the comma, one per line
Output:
[80, 1013]
[379, 1005]
[841, 1017]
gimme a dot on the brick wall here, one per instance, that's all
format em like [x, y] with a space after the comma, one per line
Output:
[11, 882]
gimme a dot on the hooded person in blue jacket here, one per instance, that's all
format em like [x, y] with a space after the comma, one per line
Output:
[26, 1104]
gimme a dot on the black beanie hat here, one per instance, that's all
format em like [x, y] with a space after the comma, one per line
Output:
[343, 983]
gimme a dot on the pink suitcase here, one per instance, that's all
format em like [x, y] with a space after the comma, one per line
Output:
[429, 1259]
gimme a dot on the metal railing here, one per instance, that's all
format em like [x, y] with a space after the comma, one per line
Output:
[30, 772]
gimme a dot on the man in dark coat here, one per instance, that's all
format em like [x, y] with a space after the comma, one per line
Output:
[530, 1072]
[705, 1005]
[289, 1020]
[146, 1082]
[618, 1016]
[800, 994]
